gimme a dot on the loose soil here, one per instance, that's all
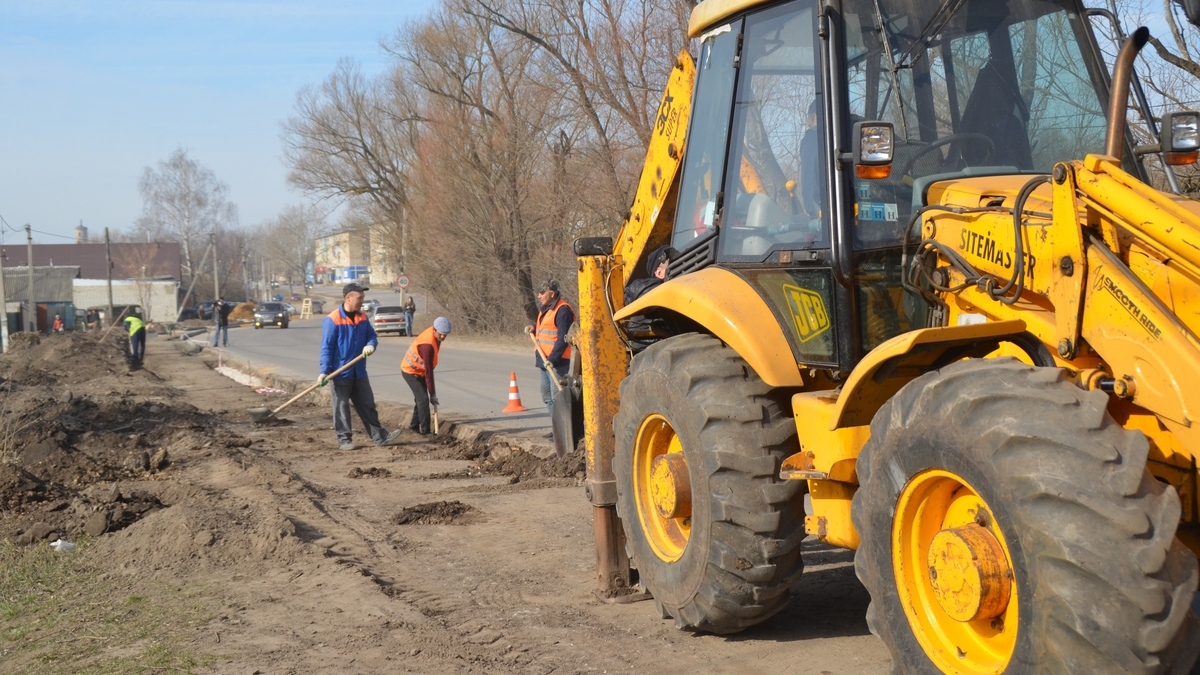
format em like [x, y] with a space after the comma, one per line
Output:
[268, 550]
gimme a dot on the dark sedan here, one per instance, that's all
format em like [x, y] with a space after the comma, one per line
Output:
[271, 314]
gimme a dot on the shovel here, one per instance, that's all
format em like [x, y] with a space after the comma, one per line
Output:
[263, 414]
[568, 410]
[435, 420]
[553, 375]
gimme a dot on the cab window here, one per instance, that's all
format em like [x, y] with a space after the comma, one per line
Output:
[704, 160]
[775, 177]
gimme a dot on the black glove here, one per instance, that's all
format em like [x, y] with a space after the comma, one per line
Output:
[433, 400]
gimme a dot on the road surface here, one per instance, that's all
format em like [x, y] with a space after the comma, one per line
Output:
[472, 376]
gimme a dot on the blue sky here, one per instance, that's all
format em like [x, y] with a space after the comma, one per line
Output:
[92, 92]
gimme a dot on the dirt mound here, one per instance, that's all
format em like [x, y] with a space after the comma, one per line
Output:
[19, 487]
[525, 466]
[195, 534]
[372, 472]
[244, 311]
[437, 447]
[41, 359]
[435, 513]
[71, 428]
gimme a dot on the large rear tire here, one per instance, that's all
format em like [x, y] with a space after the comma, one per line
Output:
[714, 533]
[994, 463]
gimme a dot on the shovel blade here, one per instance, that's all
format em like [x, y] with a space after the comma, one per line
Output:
[259, 414]
[567, 422]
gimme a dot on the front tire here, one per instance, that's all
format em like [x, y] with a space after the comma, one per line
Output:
[1011, 477]
[713, 531]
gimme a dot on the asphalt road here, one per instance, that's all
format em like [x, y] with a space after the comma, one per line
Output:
[472, 379]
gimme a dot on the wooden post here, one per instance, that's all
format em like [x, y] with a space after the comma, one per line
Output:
[32, 301]
[108, 315]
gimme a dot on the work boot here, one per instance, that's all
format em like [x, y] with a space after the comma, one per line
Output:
[390, 438]
[346, 445]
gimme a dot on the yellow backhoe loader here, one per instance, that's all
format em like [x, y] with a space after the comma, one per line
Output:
[922, 303]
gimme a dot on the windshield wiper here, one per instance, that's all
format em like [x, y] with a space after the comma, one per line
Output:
[892, 69]
[944, 12]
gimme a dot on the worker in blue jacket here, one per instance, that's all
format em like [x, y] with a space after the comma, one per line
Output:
[346, 333]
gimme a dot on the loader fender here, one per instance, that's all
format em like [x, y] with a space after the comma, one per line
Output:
[731, 310]
[905, 357]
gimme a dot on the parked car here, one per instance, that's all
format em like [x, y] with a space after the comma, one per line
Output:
[204, 311]
[318, 306]
[189, 313]
[291, 309]
[271, 314]
[389, 319]
[370, 306]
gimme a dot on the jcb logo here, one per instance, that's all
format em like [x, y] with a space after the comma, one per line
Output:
[808, 312]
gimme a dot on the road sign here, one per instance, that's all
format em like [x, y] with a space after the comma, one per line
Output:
[402, 281]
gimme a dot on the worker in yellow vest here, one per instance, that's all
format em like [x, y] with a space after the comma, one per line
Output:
[417, 369]
[137, 339]
[555, 317]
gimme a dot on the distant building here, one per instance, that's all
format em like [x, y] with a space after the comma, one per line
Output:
[144, 274]
[384, 266]
[342, 255]
[160, 260]
[156, 298]
[52, 294]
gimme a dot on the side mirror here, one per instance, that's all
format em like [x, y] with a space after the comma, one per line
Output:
[589, 246]
[874, 145]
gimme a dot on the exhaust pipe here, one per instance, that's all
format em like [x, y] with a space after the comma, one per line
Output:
[1118, 103]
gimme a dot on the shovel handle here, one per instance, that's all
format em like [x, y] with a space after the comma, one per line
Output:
[546, 365]
[335, 373]
[113, 324]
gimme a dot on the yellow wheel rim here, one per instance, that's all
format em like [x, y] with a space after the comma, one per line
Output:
[954, 574]
[662, 488]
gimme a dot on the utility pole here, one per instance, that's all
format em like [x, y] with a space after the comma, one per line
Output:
[108, 316]
[32, 303]
[245, 273]
[183, 303]
[3, 308]
[216, 271]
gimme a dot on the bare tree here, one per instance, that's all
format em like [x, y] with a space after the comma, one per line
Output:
[143, 266]
[287, 239]
[351, 139]
[504, 130]
[183, 201]
[611, 57]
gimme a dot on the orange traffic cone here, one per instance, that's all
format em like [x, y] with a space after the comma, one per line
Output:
[514, 396]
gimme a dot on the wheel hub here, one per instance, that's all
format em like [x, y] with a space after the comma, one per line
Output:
[969, 573]
[954, 574]
[670, 487]
[662, 489]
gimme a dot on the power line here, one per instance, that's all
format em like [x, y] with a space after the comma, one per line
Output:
[5, 222]
[51, 234]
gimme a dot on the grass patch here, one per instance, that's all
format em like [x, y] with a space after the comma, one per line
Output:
[58, 616]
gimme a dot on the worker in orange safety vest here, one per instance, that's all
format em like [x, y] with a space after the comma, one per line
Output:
[555, 317]
[417, 369]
